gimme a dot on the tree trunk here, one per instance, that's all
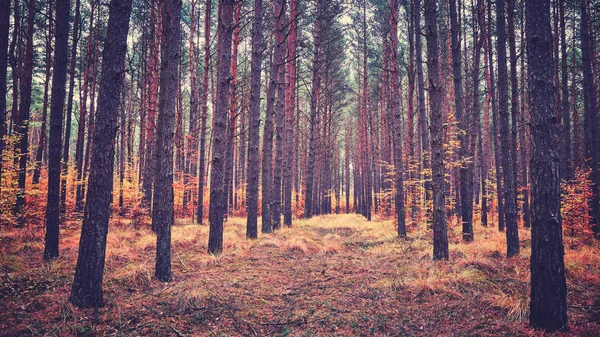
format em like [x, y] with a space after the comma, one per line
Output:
[423, 122]
[86, 290]
[61, 43]
[67, 140]
[254, 123]
[548, 307]
[151, 140]
[218, 201]
[290, 104]
[4, 28]
[162, 203]
[464, 120]
[512, 231]
[280, 34]
[397, 121]
[204, 117]
[22, 126]
[440, 232]
[39, 155]
[79, 147]
[590, 130]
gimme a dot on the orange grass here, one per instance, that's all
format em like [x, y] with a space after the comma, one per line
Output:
[335, 275]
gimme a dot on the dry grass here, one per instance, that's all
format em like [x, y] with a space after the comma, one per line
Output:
[327, 276]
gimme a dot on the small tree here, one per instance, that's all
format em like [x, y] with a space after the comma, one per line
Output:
[575, 204]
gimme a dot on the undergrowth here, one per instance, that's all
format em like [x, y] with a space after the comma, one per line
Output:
[336, 275]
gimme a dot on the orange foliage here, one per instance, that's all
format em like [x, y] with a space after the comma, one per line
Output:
[575, 205]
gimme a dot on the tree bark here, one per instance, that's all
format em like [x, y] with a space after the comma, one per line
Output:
[313, 119]
[61, 43]
[397, 122]
[548, 306]
[590, 130]
[67, 140]
[440, 231]
[163, 203]
[290, 104]
[254, 123]
[86, 290]
[204, 117]
[22, 126]
[4, 28]
[512, 231]
[218, 201]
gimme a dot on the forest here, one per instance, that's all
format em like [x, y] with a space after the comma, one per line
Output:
[299, 168]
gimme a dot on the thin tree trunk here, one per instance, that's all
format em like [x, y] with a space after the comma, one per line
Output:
[22, 126]
[39, 155]
[280, 34]
[4, 28]
[204, 117]
[67, 140]
[218, 201]
[313, 119]
[397, 121]
[590, 130]
[61, 43]
[290, 105]
[512, 231]
[254, 123]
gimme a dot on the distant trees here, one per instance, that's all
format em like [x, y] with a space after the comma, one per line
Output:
[87, 284]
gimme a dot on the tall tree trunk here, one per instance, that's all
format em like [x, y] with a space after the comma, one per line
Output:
[494, 129]
[565, 116]
[163, 203]
[229, 181]
[423, 121]
[280, 34]
[512, 231]
[590, 130]
[440, 231]
[22, 126]
[67, 140]
[61, 43]
[39, 155]
[153, 73]
[548, 307]
[514, 98]
[313, 118]
[218, 201]
[397, 121]
[204, 117]
[191, 165]
[464, 120]
[290, 104]
[86, 290]
[523, 121]
[254, 123]
[79, 147]
[4, 27]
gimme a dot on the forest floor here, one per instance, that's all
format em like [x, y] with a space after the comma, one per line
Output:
[336, 275]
